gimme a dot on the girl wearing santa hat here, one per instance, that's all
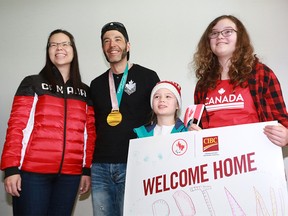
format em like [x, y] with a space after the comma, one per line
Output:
[166, 104]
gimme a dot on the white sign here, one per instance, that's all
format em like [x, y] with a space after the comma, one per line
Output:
[231, 170]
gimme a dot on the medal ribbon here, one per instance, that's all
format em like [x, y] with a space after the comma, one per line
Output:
[116, 101]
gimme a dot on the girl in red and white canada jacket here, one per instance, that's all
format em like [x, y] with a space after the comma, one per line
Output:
[50, 136]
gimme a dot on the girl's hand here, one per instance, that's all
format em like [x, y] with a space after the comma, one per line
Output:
[277, 134]
[13, 185]
[194, 127]
[85, 184]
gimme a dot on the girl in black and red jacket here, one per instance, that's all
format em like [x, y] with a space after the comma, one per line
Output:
[50, 136]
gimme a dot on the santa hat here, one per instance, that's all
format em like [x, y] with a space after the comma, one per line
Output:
[174, 87]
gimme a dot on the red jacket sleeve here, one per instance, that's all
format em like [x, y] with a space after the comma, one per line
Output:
[17, 124]
[91, 137]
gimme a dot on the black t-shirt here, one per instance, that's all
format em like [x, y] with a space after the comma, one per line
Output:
[112, 142]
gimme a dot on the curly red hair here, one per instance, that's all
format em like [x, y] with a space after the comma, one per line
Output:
[207, 67]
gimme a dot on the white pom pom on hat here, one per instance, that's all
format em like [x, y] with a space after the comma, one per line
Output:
[174, 87]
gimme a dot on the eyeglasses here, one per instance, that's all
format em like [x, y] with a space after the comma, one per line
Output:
[224, 33]
[64, 44]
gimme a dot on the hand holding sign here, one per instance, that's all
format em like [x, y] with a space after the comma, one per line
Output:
[193, 112]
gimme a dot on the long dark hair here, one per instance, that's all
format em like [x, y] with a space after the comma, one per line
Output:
[49, 68]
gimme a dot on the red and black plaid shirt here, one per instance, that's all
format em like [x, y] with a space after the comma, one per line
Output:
[266, 93]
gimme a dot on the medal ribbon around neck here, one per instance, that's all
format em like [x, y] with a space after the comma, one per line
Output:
[115, 117]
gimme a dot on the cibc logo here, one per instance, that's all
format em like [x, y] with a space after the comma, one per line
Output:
[210, 144]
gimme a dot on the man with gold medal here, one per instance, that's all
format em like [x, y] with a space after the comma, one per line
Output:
[121, 100]
[115, 117]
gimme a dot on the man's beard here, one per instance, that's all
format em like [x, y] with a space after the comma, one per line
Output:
[124, 54]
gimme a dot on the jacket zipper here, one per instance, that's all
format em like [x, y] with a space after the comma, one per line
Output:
[65, 122]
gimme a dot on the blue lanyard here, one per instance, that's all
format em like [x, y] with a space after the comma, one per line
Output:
[122, 85]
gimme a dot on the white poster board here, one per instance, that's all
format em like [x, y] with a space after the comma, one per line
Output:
[231, 170]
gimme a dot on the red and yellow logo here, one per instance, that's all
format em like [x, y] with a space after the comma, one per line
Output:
[210, 144]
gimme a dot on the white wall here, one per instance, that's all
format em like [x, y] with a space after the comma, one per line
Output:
[163, 35]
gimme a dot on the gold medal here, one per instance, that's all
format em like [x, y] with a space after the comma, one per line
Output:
[114, 118]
